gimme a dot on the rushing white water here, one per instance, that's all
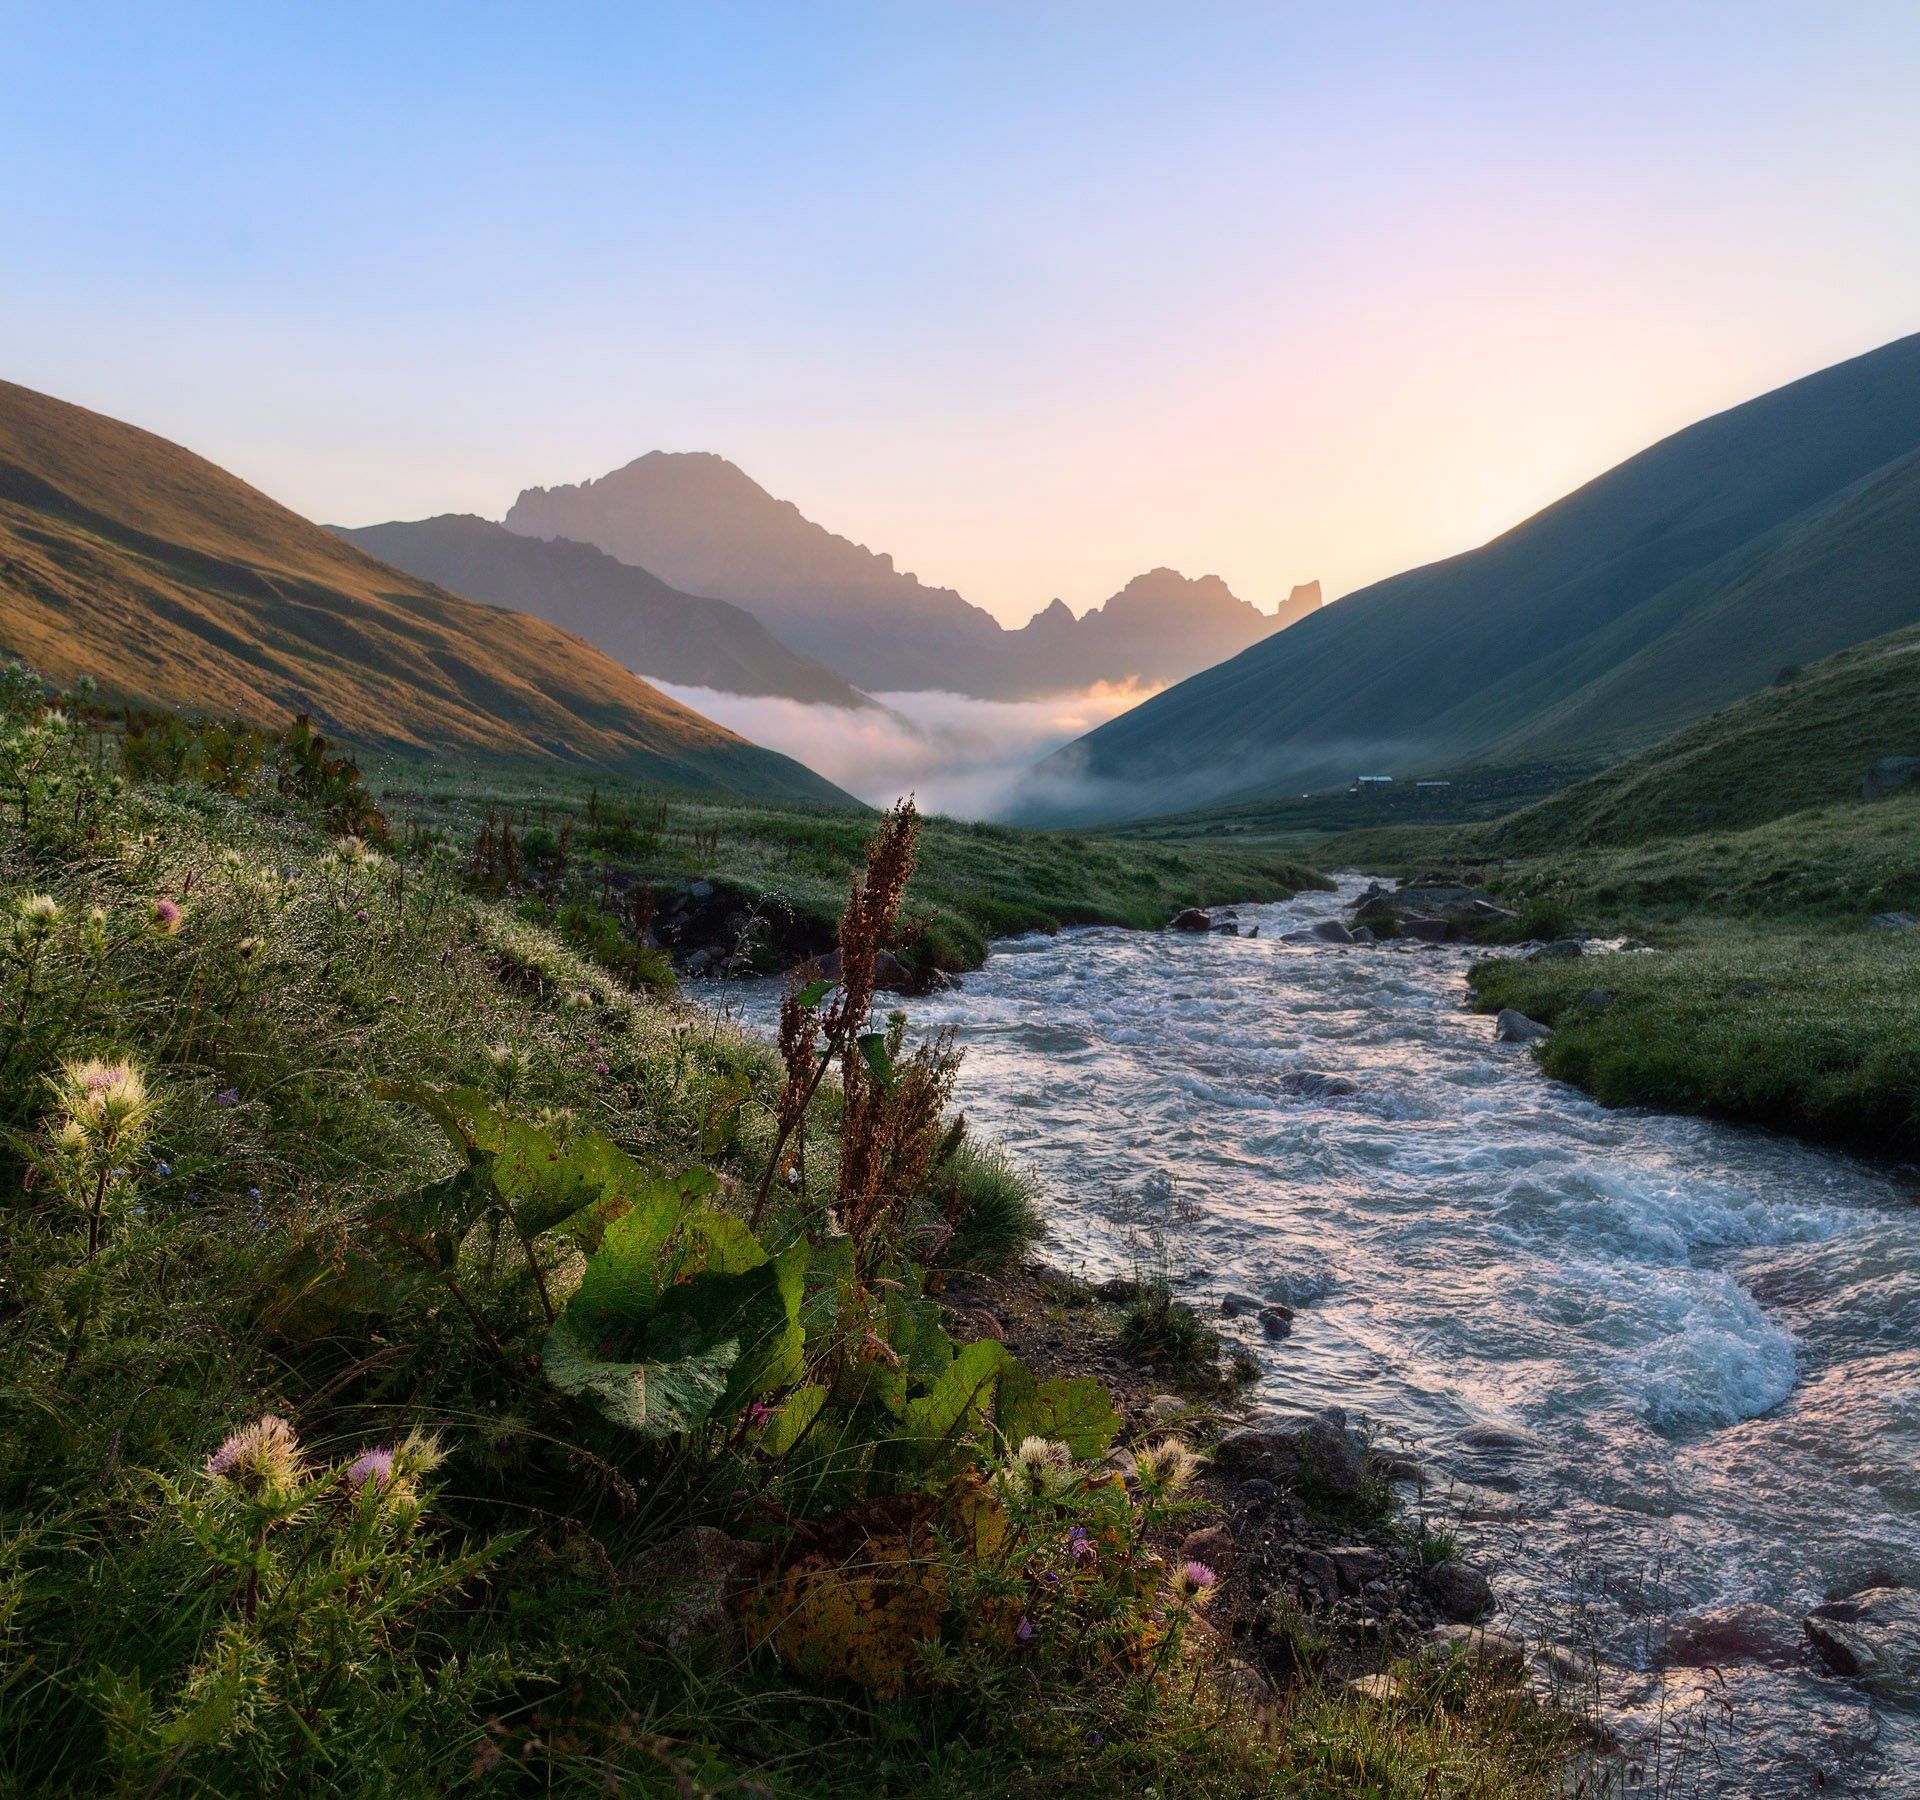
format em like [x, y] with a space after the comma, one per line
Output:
[1667, 1367]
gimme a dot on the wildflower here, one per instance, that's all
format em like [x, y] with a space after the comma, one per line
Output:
[1192, 1580]
[360, 915]
[602, 1069]
[105, 1104]
[1168, 1464]
[227, 1097]
[250, 947]
[1080, 1544]
[374, 1466]
[167, 917]
[351, 848]
[253, 1193]
[163, 1168]
[1040, 1466]
[35, 915]
[1024, 1630]
[265, 1454]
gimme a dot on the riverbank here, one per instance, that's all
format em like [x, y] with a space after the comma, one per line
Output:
[720, 886]
[414, 1382]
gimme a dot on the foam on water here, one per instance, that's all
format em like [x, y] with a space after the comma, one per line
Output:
[1698, 1341]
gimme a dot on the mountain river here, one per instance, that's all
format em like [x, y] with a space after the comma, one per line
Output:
[1663, 1375]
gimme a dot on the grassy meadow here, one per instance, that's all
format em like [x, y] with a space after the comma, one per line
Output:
[788, 864]
[388, 1288]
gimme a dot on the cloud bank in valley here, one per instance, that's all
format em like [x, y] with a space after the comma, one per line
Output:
[959, 756]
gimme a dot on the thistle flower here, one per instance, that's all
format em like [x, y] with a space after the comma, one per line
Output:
[1040, 1466]
[250, 947]
[351, 849]
[35, 915]
[94, 931]
[418, 1453]
[1191, 1581]
[1167, 1464]
[374, 1466]
[167, 918]
[264, 1455]
[106, 1104]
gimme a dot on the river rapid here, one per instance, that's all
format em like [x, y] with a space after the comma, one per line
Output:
[1663, 1375]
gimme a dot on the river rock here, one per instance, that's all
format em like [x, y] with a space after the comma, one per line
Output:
[1495, 1651]
[1459, 1591]
[1363, 934]
[1889, 773]
[1597, 999]
[1329, 931]
[1516, 1028]
[1276, 1321]
[1561, 949]
[701, 890]
[1310, 1084]
[692, 1576]
[1330, 1461]
[1381, 1687]
[1226, 928]
[1424, 930]
[1873, 1638]
[1211, 1544]
[1190, 918]
[1258, 1451]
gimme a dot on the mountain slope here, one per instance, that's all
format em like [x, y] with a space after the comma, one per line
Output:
[1808, 740]
[631, 614]
[127, 558]
[702, 524]
[1444, 663]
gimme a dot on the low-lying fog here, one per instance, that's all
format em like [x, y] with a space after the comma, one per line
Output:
[957, 755]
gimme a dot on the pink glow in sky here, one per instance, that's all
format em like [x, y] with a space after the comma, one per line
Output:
[1034, 297]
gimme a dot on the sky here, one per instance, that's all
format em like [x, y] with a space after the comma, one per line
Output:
[1032, 296]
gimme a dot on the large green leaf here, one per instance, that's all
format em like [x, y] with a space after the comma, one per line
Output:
[664, 1357]
[956, 1403]
[1075, 1410]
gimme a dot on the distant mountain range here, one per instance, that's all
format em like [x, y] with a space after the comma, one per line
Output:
[172, 583]
[698, 522]
[631, 614]
[1777, 532]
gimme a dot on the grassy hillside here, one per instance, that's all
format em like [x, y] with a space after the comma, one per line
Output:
[1806, 740]
[635, 617]
[126, 558]
[1771, 981]
[1777, 531]
[788, 865]
[415, 1379]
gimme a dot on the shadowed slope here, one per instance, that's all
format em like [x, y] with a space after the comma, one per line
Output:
[1699, 562]
[633, 615]
[127, 558]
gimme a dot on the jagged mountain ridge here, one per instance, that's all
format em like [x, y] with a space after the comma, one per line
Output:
[697, 521]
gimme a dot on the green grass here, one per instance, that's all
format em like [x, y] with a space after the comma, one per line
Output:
[791, 863]
[469, 1628]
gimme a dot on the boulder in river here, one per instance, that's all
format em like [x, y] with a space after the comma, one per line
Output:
[1329, 931]
[1516, 1028]
[1276, 1321]
[1873, 1638]
[1424, 930]
[1190, 918]
[1310, 1084]
[1560, 948]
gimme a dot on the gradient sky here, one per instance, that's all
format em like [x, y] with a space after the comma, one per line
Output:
[1033, 296]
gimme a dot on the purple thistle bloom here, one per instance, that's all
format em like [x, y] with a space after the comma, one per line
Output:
[371, 1465]
[1024, 1630]
[361, 916]
[602, 1069]
[1197, 1576]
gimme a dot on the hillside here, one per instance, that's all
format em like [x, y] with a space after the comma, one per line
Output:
[635, 617]
[126, 558]
[1806, 741]
[701, 523]
[1774, 532]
